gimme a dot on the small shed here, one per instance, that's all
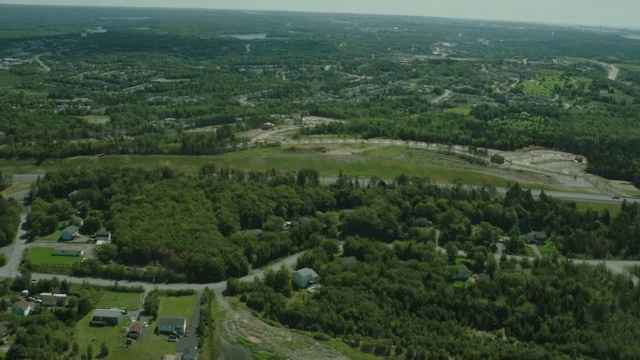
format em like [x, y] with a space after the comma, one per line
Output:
[304, 277]
[103, 236]
[135, 330]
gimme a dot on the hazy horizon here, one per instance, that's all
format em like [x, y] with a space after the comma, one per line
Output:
[615, 13]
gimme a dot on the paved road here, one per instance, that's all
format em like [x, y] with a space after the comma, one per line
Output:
[41, 63]
[14, 251]
[446, 96]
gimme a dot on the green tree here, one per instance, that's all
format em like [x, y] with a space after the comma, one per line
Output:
[106, 252]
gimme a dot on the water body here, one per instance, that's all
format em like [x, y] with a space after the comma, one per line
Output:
[632, 37]
[249, 36]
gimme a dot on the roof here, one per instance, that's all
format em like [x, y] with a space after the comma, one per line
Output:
[103, 233]
[136, 327]
[5, 327]
[113, 312]
[22, 304]
[71, 229]
[304, 272]
[174, 321]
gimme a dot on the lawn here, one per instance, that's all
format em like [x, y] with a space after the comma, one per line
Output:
[43, 256]
[96, 119]
[530, 87]
[548, 248]
[614, 208]
[54, 236]
[182, 306]
[119, 300]
[149, 347]
[9, 80]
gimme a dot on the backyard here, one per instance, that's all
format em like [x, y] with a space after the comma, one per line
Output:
[119, 300]
[43, 256]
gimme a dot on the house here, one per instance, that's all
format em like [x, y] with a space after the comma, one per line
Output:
[172, 325]
[103, 317]
[5, 332]
[536, 238]
[22, 307]
[304, 277]
[69, 232]
[68, 252]
[463, 273]
[50, 299]
[103, 237]
[135, 330]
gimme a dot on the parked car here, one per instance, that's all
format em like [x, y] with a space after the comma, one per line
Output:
[173, 338]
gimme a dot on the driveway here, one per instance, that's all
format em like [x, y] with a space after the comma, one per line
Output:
[14, 251]
[190, 343]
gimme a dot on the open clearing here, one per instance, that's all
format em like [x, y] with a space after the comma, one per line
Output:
[43, 256]
[148, 347]
[8, 80]
[96, 119]
[119, 300]
[178, 306]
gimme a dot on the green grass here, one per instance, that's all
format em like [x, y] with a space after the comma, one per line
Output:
[548, 248]
[8, 80]
[461, 110]
[150, 347]
[43, 256]
[530, 88]
[465, 260]
[54, 236]
[614, 208]
[178, 306]
[96, 119]
[119, 300]
[529, 251]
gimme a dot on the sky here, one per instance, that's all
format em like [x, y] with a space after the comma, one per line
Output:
[619, 13]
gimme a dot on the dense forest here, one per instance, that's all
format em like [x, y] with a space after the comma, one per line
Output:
[220, 223]
[402, 302]
[9, 220]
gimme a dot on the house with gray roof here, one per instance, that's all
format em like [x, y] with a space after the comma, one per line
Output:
[304, 277]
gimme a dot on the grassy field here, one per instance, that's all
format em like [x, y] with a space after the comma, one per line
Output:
[119, 300]
[43, 256]
[9, 80]
[149, 347]
[96, 119]
[178, 306]
[614, 208]
[54, 236]
[531, 88]
[549, 248]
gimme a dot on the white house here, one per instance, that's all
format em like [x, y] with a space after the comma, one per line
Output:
[103, 237]
[22, 307]
[172, 325]
[304, 277]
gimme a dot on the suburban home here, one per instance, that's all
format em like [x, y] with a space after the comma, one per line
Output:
[536, 238]
[304, 277]
[463, 273]
[172, 325]
[135, 330]
[103, 317]
[102, 237]
[22, 307]
[68, 252]
[5, 332]
[69, 232]
[50, 299]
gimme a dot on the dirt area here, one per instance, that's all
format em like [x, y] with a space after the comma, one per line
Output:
[275, 341]
[625, 187]
[307, 150]
[285, 131]
[559, 168]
